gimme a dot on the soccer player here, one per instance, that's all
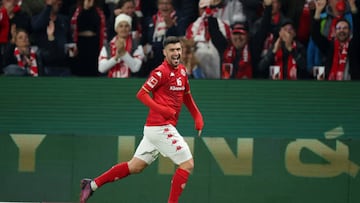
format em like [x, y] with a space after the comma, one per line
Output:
[170, 88]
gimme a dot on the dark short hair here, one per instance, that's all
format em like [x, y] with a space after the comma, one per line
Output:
[171, 40]
[343, 20]
[287, 22]
[121, 3]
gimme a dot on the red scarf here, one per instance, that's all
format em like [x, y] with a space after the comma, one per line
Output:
[339, 60]
[102, 32]
[276, 18]
[291, 64]
[160, 26]
[201, 30]
[22, 62]
[244, 67]
[120, 70]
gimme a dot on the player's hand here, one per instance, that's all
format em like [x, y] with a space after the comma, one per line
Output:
[199, 125]
[168, 112]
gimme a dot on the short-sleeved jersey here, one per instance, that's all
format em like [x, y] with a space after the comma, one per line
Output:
[168, 86]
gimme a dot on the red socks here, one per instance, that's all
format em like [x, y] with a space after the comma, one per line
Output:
[178, 184]
[121, 170]
[117, 172]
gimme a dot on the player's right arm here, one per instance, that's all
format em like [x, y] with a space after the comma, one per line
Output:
[144, 96]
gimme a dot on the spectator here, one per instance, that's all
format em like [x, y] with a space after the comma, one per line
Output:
[265, 31]
[128, 7]
[286, 56]
[334, 10]
[122, 57]
[189, 59]
[338, 49]
[58, 40]
[211, 36]
[188, 7]
[17, 18]
[166, 22]
[237, 62]
[53, 59]
[299, 12]
[21, 57]
[89, 33]
[4, 30]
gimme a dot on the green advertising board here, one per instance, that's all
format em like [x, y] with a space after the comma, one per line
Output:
[263, 141]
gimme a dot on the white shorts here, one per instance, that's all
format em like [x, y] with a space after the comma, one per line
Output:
[165, 140]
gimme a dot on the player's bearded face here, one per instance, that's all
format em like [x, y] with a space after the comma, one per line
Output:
[172, 54]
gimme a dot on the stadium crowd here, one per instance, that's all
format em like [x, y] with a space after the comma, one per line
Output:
[222, 39]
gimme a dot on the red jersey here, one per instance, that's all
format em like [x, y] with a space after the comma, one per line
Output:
[168, 86]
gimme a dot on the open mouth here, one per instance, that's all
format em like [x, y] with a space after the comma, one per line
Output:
[176, 59]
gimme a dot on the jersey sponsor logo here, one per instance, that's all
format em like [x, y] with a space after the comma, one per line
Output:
[152, 82]
[175, 88]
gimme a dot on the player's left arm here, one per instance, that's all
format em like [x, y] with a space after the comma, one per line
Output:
[194, 111]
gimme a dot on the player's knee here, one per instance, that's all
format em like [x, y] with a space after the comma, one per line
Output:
[187, 165]
[136, 169]
[136, 165]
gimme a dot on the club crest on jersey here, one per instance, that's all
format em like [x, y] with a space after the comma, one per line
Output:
[183, 72]
[152, 82]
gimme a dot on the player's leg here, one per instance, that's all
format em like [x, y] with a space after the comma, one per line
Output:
[119, 171]
[179, 180]
[171, 144]
[145, 154]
